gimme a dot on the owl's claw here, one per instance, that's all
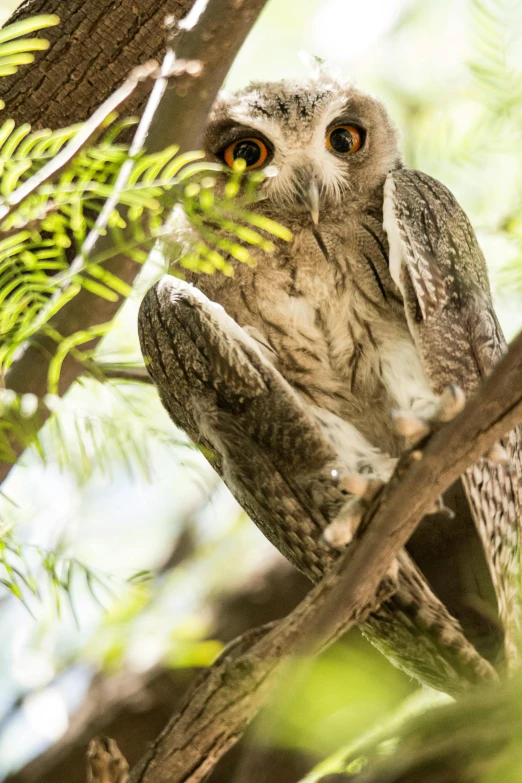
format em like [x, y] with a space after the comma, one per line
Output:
[360, 486]
[416, 426]
[451, 403]
[411, 427]
[497, 453]
[339, 533]
[439, 507]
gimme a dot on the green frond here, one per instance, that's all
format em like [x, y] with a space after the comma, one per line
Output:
[33, 575]
[47, 219]
[35, 273]
[114, 435]
[16, 49]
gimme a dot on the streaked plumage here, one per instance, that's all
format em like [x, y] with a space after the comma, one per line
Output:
[380, 305]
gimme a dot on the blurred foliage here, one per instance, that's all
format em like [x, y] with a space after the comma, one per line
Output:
[52, 201]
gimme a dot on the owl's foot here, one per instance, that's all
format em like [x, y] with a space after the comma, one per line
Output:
[414, 426]
[497, 453]
[340, 532]
[439, 507]
[360, 486]
[359, 490]
[105, 763]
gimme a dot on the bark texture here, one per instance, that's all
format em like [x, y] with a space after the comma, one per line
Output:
[91, 51]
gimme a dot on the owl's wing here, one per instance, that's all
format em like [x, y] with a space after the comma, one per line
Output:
[437, 263]
[218, 387]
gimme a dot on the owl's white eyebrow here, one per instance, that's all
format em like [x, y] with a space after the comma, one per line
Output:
[268, 127]
[334, 110]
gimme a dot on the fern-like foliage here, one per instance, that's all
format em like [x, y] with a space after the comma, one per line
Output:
[497, 63]
[34, 575]
[34, 260]
[16, 49]
[58, 189]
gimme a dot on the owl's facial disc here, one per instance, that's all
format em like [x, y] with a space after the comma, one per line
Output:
[329, 147]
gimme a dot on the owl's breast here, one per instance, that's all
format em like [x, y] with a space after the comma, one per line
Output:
[325, 307]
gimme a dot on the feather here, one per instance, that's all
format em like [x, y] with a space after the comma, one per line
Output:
[443, 278]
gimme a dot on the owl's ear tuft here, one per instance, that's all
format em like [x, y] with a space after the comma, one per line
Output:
[319, 70]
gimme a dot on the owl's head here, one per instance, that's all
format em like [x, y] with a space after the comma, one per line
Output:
[326, 144]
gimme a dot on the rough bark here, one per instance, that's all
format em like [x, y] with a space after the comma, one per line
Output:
[91, 52]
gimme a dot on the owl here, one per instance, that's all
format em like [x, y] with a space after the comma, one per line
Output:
[303, 373]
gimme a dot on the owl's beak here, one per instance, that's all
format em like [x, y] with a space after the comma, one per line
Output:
[312, 200]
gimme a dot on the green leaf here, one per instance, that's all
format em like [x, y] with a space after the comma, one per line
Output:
[27, 26]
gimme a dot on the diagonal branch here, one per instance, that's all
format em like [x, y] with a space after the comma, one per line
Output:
[220, 706]
[214, 42]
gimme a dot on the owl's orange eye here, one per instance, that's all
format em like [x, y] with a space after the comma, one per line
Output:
[344, 139]
[253, 151]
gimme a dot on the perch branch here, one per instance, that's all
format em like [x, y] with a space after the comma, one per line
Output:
[122, 372]
[220, 706]
[214, 43]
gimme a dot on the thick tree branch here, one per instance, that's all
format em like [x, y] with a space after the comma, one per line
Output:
[92, 51]
[215, 43]
[220, 706]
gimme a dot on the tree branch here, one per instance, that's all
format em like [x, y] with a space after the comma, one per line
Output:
[215, 43]
[123, 372]
[219, 707]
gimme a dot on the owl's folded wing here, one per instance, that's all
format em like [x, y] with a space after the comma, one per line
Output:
[437, 263]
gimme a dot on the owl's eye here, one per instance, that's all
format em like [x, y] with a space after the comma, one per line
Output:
[344, 139]
[253, 151]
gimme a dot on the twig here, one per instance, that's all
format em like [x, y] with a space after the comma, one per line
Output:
[123, 372]
[219, 707]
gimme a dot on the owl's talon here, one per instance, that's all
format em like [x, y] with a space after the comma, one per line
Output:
[410, 426]
[439, 507]
[340, 531]
[497, 453]
[360, 486]
[451, 403]
[414, 426]
[354, 485]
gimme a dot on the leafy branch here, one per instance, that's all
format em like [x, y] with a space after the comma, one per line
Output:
[72, 212]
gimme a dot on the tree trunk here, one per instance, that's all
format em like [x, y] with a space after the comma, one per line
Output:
[92, 50]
